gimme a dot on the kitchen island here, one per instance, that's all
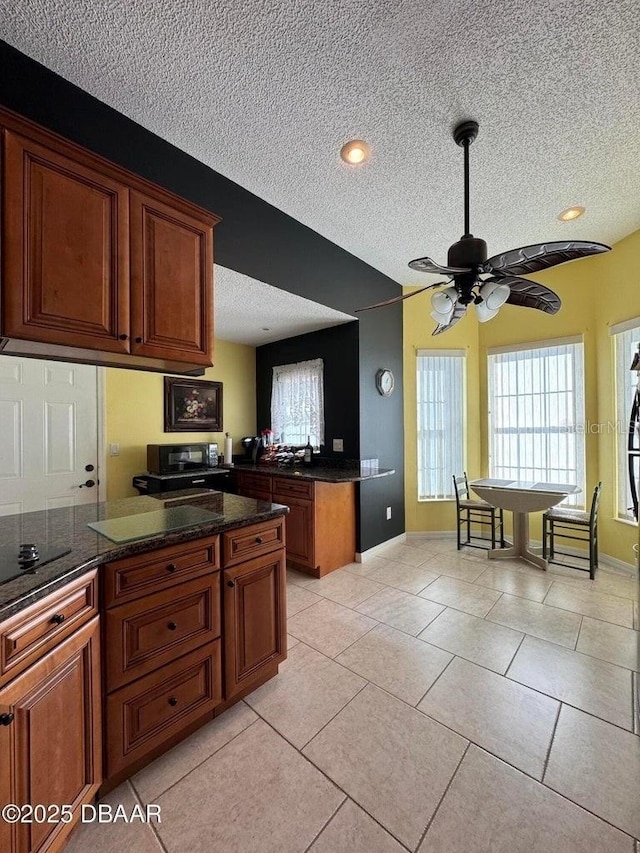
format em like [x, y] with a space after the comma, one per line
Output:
[114, 652]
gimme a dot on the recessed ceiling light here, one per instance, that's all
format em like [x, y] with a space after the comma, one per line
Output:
[571, 213]
[354, 152]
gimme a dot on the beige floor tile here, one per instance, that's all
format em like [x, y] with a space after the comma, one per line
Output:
[298, 578]
[165, 771]
[400, 664]
[407, 578]
[454, 566]
[569, 576]
[473, 638]
[114, 837]
[329, 627]
[598, 766]
[401, 610]
[538, 620]
[625, 587]
[298, 598]
[610, 642]
[593, 685]
[507, 719]
[344, 588]
[308, 691]
[365, 568]
[392, 760]
[353, 831]
[257, 793]
[292, 641]
[404, 554]
[521, 584]
[599, 605]
[493, 808]
[477, 600]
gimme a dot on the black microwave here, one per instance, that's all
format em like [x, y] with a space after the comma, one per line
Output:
[175, 458]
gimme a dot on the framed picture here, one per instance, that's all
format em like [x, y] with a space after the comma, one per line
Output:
[192, 405]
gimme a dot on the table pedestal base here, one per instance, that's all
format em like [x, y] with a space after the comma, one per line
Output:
[520, 544]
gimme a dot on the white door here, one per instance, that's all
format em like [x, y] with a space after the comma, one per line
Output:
[48, 434]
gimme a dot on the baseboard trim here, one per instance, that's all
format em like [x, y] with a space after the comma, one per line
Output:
[372, 552]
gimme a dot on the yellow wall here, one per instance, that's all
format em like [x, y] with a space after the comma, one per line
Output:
[135, 412]
[596, 293]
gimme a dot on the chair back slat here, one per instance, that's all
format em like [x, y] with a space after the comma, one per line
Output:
[593, 517]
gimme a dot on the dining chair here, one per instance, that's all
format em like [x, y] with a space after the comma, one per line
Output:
[474, 511]
[559, 519]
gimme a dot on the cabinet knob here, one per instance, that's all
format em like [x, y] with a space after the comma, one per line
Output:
[230, 583]
[173, 701]
[57, 618]
[259, 540]
[6, 719]
[123, 337]
[172, 626]
[138, 340]
[172, 567]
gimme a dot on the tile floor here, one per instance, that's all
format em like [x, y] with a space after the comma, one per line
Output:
[432, 701]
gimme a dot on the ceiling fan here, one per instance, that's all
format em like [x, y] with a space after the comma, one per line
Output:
[467, 262]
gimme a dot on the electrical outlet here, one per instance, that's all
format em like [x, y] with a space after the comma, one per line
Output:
[338, 445]
[388, 513]
[114, 450]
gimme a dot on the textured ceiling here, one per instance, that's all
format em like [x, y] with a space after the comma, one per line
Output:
[254, 313]
[267, 92]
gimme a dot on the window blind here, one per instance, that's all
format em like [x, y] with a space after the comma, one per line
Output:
[626, 345]
[536, 415]
[440, 421]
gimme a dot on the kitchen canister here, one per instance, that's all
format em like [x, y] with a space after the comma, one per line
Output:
[228, 449]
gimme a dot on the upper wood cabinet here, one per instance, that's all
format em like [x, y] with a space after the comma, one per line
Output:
[98, 259]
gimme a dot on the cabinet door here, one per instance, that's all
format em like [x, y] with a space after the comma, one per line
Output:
[299, 529]
[51, 749]
[65, 250]
[255, 619]
[171, 282]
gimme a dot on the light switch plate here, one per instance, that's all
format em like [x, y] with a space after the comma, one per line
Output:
[114, 450]
[338, 445]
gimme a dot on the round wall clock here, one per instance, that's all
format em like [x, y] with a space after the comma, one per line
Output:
[385, 382]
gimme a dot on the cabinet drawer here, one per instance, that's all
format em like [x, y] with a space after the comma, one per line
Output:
[247, 482]
[124, 580]
[152, 710]
[145, 634]
[29, 634]
[295, 488]
[248, 542]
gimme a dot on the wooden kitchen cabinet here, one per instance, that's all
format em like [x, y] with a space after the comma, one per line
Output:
[51, 739]
[255, 486]
[97, 259]
[300, 535]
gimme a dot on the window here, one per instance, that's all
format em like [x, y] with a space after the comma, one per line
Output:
[297, 403]
[626, 337]
[440, 404]
[536, 414]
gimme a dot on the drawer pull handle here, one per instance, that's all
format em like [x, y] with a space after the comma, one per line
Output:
[173, 701]
[57, 618]
[6, 719]
[138, 340]
[172, 567]
[259, 540]
[230, 583]
[172, 626]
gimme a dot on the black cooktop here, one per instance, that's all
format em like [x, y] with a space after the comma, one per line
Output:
[26, 559]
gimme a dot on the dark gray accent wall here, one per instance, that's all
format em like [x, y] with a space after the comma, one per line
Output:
[260, 241]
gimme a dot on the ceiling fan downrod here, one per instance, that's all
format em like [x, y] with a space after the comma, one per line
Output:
[463, 135]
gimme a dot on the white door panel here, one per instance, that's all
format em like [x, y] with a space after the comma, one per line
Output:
[49, 429]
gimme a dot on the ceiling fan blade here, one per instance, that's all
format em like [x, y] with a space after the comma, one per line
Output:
[458, 313]
[529, 294]
[427, 265]
[530, 259]
[400, 298]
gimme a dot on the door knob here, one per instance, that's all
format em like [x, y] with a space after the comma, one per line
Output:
[88, 467]
[6, 719]
[89, 484]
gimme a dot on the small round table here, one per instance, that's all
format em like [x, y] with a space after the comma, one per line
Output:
[521, 498]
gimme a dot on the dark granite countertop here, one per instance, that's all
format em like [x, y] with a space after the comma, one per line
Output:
[319, 473]
[67, 528]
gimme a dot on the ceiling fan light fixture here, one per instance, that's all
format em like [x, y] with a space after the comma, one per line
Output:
[571, 213]
[443, 301]
[484, 313]
[355, 152]
[494, 294]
